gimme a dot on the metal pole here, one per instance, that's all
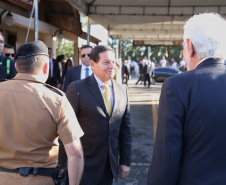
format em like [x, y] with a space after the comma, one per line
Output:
[88, 32]
[120, 48]
[117, 51]
[149, 49]
[36, 20]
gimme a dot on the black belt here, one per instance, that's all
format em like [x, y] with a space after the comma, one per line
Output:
[25, 171]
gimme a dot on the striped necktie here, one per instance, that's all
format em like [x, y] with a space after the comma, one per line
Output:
[107, 98]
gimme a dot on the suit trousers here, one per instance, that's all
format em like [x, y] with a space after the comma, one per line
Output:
[107, 177]
[147, 78]
[7, 178]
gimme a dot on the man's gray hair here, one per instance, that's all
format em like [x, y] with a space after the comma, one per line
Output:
[207, 32]
[31, 65]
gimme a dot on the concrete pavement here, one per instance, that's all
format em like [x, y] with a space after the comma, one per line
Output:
[143, 105]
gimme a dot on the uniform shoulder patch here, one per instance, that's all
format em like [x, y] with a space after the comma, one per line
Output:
[58, 91]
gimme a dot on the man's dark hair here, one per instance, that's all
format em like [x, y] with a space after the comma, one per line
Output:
[49, 48]
[86, 46]
[1, 34]
[8, 46]
[60, 57]
[31, 65]
[94, 55]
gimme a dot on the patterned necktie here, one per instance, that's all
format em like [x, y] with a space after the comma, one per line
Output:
[107, 98]
[87, 72]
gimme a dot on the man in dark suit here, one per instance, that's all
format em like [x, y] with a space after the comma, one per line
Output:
[81, 71]
[189, 146]
[148, 72]
[54, 78]
[102, 108]
[125, 72]
[7, 65]
[141, 69]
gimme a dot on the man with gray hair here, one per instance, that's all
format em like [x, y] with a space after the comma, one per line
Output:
[189, 146]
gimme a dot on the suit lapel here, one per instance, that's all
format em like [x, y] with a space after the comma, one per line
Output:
[95, 90]
[116, 98]
[78, 72]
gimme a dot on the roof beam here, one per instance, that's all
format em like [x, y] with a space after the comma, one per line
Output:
[141, 32]
[79, 5]
[154, 10]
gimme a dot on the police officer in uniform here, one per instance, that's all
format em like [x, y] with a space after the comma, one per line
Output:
[7, 65]
[35, 115]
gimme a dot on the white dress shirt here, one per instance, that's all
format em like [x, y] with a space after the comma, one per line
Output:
[102, 90]
[83, 71]
[51, 67]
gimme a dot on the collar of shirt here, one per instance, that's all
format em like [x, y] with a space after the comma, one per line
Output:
[84, 67]
[83, 71]
[26, 76]
[100, 83]
[203, 60]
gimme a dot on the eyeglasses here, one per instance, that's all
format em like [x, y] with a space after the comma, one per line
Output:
[83, 55]
[8, 54]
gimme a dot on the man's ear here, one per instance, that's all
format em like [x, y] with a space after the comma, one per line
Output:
[46, 68]
[91, 63]
[16, 66]
[191, 49]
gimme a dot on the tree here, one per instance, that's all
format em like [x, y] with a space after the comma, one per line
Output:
[65, 47]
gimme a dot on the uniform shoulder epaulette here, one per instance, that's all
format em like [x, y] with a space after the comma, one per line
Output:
[58, 91]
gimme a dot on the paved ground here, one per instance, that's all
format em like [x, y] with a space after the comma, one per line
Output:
[143, 104]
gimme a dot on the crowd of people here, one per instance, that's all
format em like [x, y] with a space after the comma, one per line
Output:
[92, 116]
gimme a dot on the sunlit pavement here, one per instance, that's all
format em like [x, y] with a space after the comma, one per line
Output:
[143, 105]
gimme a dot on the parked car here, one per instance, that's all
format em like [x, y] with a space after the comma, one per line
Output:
[162, 73]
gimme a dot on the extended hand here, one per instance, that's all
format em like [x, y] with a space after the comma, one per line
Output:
[123, 171]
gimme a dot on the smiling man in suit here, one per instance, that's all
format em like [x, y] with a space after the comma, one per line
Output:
[81, 71]
[189, 146]
[102, 108]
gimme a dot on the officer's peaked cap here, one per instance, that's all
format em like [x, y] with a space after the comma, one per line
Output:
[32, 49]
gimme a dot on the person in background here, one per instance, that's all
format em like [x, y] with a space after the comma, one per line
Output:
[147, 71]
[8, 51]
[173, 64]
[154, 60]
[7, 65]
[117, 68]
[189, 146]
[183, 67]
[141, 72]
[81, 71]
[60, 59]
[125, 72]
[137, 60]
[54, 78]
[163, 62]
[67, 65]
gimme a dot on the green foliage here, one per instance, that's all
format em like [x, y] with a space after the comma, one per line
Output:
[127, 45]
[65, 47]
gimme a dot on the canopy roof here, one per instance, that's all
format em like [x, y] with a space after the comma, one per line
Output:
[154, 21]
